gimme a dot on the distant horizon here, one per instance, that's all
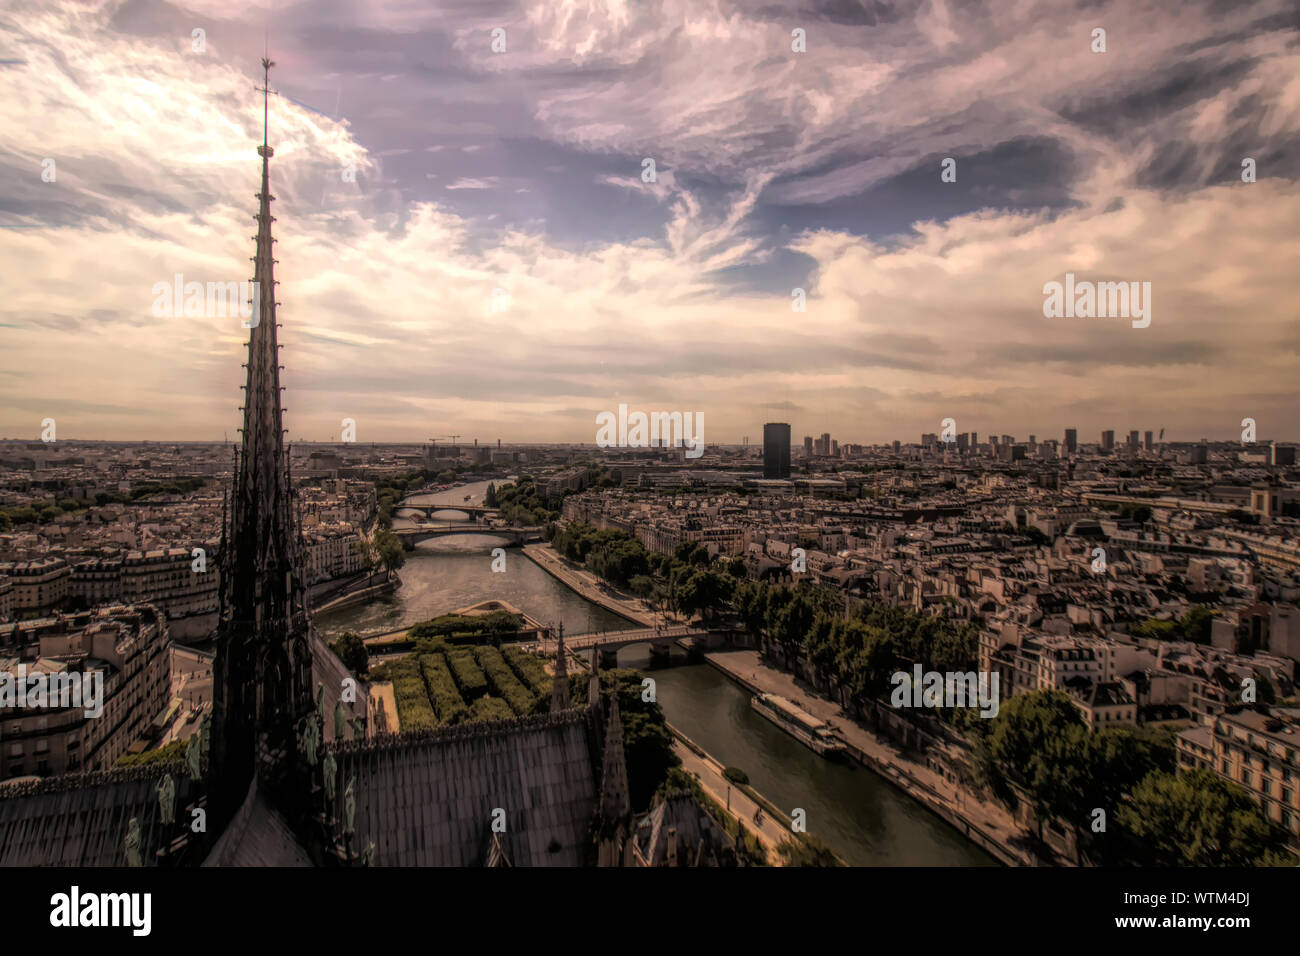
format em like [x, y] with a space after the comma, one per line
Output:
[1022, 438]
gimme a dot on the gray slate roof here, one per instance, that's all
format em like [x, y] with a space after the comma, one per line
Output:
[82, 820]
[427, 799]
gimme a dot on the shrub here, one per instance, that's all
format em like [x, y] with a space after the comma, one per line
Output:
[735, 775]
[491, 708]
[521, 700]
[413, 710]
[529, 669]
[469, 678]
[442, 690]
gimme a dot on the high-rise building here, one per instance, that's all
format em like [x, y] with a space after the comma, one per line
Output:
[776, 450]
[1108, 440]
[1071, 440]
[1133, 439]
[974, 439]
[807, 446]
[1147, 441]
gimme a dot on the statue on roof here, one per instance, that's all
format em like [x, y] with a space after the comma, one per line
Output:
[310, 739]
[340, 720]
[330, 769]
[193, 759]
[167, 799]
[132, 843]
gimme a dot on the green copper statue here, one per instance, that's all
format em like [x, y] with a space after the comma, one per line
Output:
[349, 804]
[167, 799]
[132, 844]
[340, 720]
[331, 769]
[193, 759]
[311, 740]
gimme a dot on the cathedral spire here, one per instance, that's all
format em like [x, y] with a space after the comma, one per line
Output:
[262, 673]
[615, 812]
[560, 682]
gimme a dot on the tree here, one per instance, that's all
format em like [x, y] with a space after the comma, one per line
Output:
[1195, 819]
[388, 548]
[490, 498]
[647, 743]
[352, 652]
[1039, 745]
[809, 851]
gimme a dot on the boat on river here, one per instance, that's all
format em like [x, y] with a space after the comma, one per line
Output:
[810, 731]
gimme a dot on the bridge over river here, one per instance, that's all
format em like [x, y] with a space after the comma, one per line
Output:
[610, 642]
[513, 536]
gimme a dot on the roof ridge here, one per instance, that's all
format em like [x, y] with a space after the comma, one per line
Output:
[464, 731]
[95, 778]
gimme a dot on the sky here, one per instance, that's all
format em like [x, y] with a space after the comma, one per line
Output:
[417, 171]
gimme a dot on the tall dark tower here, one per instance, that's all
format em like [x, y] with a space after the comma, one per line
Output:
[776, 450]
[262, 672]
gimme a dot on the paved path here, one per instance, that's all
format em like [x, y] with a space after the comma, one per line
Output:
[589, 586]
[771, 832]
[989, 817]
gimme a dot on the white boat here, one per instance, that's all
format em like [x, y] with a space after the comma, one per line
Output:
[803, 726]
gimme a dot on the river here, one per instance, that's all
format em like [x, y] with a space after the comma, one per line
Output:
[863, 817]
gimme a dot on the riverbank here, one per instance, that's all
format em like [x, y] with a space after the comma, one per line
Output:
[986, 825]
[359, 596]
[586, 585]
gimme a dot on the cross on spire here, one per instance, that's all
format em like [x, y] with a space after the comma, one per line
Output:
[266, 91]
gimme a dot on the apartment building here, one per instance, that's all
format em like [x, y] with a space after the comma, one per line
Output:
[1257, 751]
[128, 646]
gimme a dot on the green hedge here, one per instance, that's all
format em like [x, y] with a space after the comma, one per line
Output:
[468, 676]
[413, 710]
[442, 690]
[529, 669]
[505, 683]
[491, 708]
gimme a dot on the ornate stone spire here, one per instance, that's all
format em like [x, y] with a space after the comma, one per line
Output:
[615, 801]
[593, 685]
[262, 685]
[615, 812]
[560, 682]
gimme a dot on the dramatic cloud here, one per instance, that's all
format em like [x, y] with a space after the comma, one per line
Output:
[468, 241]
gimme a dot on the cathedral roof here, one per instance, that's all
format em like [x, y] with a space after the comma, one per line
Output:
[83, 819]
[428, 798]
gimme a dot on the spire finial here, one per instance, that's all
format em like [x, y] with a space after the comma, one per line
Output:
[266, 92]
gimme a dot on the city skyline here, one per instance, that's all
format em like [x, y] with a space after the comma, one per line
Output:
[777, 170]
